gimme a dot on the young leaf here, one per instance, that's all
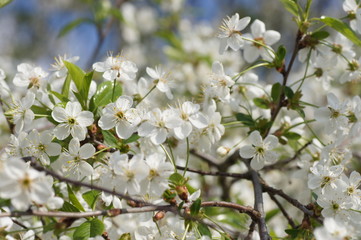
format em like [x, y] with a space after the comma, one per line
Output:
[290, 6]
[271, 214]
[59, 96]
[66, 86]
[276, 91]
[246, 119]
[89, 229]
[204, 230]
[73, 24]
[104, 93]
[3, 3]
[320, 35]
[261, 103]
[196, 206]
[176, 179]
[342, 28]
[68, 207]
[292, 135]
[74, 200]
[110, 139]
[131, 139]
[91, 197]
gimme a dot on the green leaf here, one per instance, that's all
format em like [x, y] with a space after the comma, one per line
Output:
[125, 236]
[204, 230]
[68, 207]
[289, 92]
[292, 135]
[91, 197]
[195, 207]
[276, 91]
[176, 179]
[76, 73]
[314, 195]
[117, 14]
[261, 103]
[73, 24]
[89, 229]
[171, 38]
[104, 93]
[3, 3]
[66, 86]
[131, 139]
[320, 35]
[342, 28]
[59, 96]
[290, 6]
[271, 214]
[245, 119]
[281, 53]
[40, 110]
[74, 200]
[110, 139]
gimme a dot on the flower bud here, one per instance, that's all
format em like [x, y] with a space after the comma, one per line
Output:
[223, 151]
[182, 192]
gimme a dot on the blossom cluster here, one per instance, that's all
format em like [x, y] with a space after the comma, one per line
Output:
[132, 130]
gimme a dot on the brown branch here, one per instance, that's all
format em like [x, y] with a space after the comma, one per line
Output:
[40, 168]
[102, 33]
[25, 227]
[246, 175]
[289, 199]
[259, 205]
[284, 212]
[242, 209]
[206, 158]
[109, 213]
[280, 164]
[252, 227]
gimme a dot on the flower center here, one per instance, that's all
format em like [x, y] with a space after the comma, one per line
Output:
[259, 42]
[260, 151]
[26, 182]
[153, 174]
[325, 181]
[71, 121]
[120, 115]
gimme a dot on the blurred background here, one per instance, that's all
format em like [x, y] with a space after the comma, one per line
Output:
[36, 31]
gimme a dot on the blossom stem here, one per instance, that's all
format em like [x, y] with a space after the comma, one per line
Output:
[248, 69]
[146, 95]
[169, 157]
[187, 159]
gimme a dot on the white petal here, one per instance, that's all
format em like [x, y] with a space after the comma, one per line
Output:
[124, 130]
[85, 118]
[78, 132]
[152, 73]
[59, 114]
[107, 122]
[62, 131]
[124, 103]
[74, 147]
[242, 23]
[159, 137]
[86, 151]
[257, 163]
[255, 138]
[258, 28]
[271, 142]
[235, 42]
[271, 37]
[217, 68]
[53, 149]
[250, 53]
[199, 120]
[73, 108]
[247, 151]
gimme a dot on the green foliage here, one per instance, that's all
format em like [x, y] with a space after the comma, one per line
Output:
[88, 229]
[276, 92]
[68, 207]
[82, 82]
[246, 119]
[91, 197]
[195, 207]
[299, 234]
[74, 200]
[320, 35]
[291, 6]
[104, 94]
[3, 3]
[73, 24]
[342, 28]
[204, 230]
[125, 236]
[272, 213]
[110, 139]
[262, 103]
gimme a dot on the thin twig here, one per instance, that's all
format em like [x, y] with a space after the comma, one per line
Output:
[36, 166]
[246, 175]
[283, 210]
[205, 157]
[242, 209]
[109, 213]
[280, 164]
[252, 227]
